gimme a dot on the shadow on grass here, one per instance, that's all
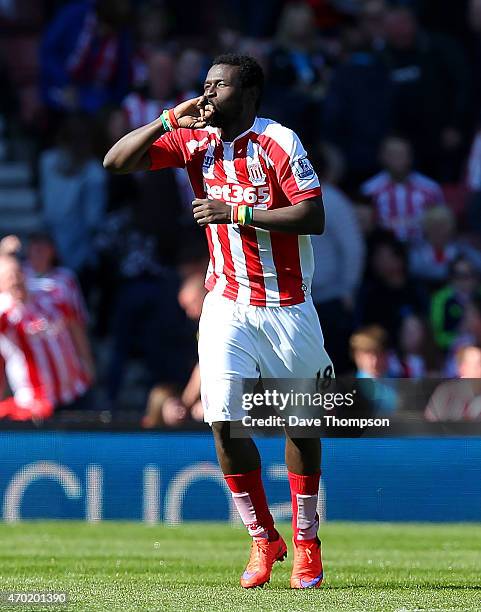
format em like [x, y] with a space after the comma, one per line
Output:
[398, 587]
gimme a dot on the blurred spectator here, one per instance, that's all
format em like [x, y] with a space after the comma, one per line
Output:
[388, 294]
[431, 89]
[86, 56]
[459, 400]
[431, 257]
[339, 264]
[188, 74]
[469, 362]
[296, 61]
[166, 406]
[400, 194]
[469, 333]
[43, 274]
[151, 36]
[146, 320]
[73, 195]
[142, 107]
[370, 353]
[46, 351]
[448, 304]
[372, 21]
[169, 82]
[296, 70]
[416, 355]
[356, 107]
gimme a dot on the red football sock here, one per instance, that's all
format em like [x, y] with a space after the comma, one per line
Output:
[250, 500]
[304, 492]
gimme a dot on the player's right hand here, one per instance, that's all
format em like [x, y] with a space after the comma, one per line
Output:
[194, 114]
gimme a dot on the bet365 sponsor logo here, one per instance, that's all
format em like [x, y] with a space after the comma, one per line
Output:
[235, 194]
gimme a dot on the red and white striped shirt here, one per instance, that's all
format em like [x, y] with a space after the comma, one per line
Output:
[41, 361]
[265, 167]
[400, 206]
[64, 287]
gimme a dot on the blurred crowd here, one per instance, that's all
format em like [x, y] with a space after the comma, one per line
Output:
[385, 96]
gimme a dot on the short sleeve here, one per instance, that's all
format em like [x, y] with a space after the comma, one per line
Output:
[294, 171]
[167, 152]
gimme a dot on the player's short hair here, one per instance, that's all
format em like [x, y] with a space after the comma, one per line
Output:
[250, 71]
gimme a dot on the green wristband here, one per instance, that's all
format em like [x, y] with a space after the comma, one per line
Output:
[249, 215]
[164, 118]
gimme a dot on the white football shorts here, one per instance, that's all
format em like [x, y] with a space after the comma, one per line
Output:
[239, 343]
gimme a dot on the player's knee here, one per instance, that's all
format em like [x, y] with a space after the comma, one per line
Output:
[221, 430]
[224, 442]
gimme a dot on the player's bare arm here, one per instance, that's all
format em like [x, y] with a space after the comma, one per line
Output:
[130, 153]
[306, 217]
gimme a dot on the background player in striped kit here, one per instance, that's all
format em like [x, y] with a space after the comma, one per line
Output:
[43, 345]
[259, 198]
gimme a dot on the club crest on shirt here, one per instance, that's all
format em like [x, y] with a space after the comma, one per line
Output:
[256, 173]
[208, 162]
[303, 169]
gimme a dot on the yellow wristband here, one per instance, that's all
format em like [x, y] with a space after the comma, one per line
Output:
[241, 215]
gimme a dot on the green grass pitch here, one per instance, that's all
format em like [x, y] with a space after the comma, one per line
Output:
[196, 567]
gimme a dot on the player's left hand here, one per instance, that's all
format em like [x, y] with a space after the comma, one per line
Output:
[211, 211]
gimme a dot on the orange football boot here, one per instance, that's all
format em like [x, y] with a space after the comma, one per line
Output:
[263, 556]
[307, 569]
